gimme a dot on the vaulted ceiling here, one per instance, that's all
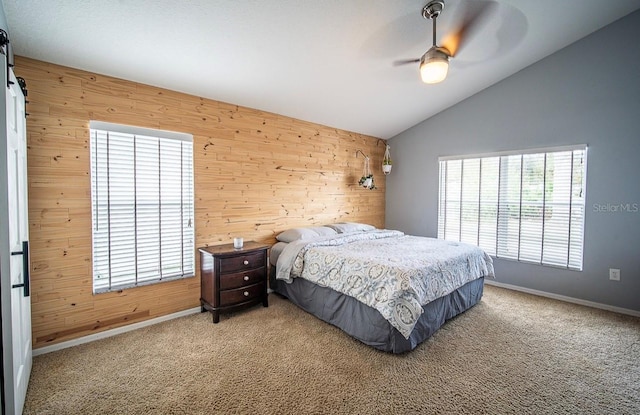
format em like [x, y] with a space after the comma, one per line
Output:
[325, 61]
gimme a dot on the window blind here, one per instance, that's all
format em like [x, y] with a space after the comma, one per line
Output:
[524, 206]
[142, 206]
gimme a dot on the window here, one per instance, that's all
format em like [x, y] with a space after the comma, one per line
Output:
[527, 206]
[142, 206]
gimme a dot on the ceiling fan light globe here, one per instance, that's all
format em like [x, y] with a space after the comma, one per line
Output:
[434, 66]
[434, 72]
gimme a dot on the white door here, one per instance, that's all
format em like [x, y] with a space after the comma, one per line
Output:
[16, 388]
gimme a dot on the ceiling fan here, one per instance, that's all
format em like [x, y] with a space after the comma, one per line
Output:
[434, 64]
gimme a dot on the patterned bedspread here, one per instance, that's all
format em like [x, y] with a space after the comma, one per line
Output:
[394, 273]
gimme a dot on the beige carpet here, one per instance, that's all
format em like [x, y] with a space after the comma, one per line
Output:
[511, 354]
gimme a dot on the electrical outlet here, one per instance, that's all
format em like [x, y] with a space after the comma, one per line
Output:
[614, 274]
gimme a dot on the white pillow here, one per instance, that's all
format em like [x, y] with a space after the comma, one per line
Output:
[295, 234]
[346, 227]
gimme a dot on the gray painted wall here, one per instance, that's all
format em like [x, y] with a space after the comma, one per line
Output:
[587, 93]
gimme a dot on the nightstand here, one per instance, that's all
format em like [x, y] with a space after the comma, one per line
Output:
[231, 279]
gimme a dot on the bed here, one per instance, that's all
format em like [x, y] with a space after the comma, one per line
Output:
[389, 290]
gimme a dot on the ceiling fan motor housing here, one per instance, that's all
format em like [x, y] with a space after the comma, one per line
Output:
[435, 53]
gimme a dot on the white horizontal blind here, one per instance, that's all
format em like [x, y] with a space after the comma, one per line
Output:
[527, 207]
[142, 206]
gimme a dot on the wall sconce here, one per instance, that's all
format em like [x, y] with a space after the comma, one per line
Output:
[386, 161]
[366, 180]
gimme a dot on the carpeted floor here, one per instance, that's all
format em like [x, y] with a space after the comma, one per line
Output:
[511, 354]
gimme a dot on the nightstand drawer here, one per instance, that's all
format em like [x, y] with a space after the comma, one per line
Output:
[241, 279]
[243, 262]
[240, 295]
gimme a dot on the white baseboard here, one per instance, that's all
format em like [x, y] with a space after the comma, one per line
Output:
[565, 298]
[113, 332]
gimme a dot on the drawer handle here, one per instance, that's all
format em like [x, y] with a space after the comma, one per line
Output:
[246, 293]
[246, 262]
[246, 278]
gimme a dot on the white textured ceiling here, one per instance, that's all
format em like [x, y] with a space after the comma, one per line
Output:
[325, 61]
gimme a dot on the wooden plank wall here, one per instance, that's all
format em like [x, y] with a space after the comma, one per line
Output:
[256, 174]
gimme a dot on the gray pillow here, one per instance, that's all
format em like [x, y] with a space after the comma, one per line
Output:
[346, 227]
[295, 234]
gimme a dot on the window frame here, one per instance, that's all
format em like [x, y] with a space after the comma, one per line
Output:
[574, 236]
[181, 265]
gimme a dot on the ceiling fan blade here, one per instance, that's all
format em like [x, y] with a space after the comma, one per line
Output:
[474, 16]
[405, 62]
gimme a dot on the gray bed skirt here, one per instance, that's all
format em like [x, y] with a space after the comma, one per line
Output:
[367, 324]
